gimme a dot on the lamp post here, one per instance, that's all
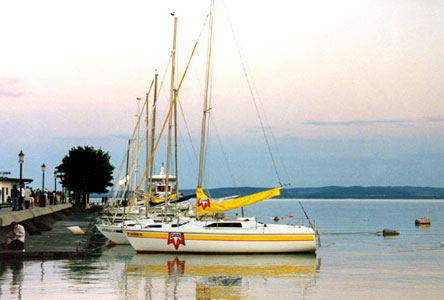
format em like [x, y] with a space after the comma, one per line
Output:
[21, 157]
[43, 177]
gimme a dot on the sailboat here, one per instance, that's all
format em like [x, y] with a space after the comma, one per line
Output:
[239, 235]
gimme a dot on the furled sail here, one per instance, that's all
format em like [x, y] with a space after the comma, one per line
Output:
[161, 200]
[204, 205]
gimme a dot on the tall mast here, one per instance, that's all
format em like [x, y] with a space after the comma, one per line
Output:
[147, 143]
[153, 134]
[126, 184]
[136, 148]
[173, 70]
[175, 147]
[205, 106]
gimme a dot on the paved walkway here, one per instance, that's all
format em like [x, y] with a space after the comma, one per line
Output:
[5, 210]
[59, 242]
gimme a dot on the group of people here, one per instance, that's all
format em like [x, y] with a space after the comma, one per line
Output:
[30, 198]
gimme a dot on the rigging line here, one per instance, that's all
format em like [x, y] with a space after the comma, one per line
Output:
[164, 75]
[192, 159]
[254, 99]
[209, 108]
[188, 131]
[287, 178]
[131, 169]
[122, 163]
[167, 116]
[224, 154]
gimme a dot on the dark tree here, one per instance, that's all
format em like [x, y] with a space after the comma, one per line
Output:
[85, 170]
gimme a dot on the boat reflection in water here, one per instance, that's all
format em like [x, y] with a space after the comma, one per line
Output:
[221, 276]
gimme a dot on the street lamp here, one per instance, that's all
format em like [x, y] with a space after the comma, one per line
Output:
[21, 160]
[55, 181]
[43, 177]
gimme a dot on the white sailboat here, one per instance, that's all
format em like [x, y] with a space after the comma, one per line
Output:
[241, 235]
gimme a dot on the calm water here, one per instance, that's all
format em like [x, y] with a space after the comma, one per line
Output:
[353, 262]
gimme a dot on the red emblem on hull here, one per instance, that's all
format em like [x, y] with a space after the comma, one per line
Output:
[204, 203]
[176, 239]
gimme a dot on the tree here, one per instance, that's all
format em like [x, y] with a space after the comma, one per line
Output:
[86, 170]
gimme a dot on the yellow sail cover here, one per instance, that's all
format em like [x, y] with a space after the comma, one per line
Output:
[204, 205]
[160, 200]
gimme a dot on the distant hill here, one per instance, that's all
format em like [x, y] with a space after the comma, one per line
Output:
[331, 192]
[339, 192]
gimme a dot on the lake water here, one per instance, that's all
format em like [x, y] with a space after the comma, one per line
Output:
[352, 263]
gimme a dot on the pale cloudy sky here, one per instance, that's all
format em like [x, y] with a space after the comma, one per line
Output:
[353, 90]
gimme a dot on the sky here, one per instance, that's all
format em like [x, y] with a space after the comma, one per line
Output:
[349, 92]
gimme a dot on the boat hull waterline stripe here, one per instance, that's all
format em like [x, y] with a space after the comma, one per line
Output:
[240, 238]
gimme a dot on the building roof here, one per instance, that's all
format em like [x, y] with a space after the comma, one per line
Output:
[17, 180]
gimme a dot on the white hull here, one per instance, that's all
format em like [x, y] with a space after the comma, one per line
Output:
[197, 237]
[114, 233]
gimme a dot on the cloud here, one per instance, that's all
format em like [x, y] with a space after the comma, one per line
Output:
[434, 119]
[359, 123]
[76, 138]
[93, 138]
[9, 86]
[120, 136]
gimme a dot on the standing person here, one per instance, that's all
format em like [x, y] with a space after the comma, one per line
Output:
[38, 195]
[28, 194]
[32, 199]
[21, 197]
[43, 198]
[18, 239]
[52, 198]
[14, 197]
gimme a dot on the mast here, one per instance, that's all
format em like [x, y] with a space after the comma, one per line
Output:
[172, 92]
[136, 148]
[147, 158]
[126, 183]
[176, 186]
[205, 106]
[153, 134]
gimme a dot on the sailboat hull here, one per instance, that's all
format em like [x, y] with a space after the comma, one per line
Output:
[255, 240]
[113, 233]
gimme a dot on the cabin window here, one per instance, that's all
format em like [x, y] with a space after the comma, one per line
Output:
[153, 226]
[237, 225]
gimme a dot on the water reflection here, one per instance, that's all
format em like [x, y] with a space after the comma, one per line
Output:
[17, 277]
[220, 276]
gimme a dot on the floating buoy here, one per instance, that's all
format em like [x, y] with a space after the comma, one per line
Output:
[388, 232]
[422, 221]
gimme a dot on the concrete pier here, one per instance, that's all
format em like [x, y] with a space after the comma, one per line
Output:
[7, 216]
[55, 240]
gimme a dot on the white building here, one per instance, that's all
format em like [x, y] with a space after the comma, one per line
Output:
[6, 185]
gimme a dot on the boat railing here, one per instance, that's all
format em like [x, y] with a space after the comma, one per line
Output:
[296, 222]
